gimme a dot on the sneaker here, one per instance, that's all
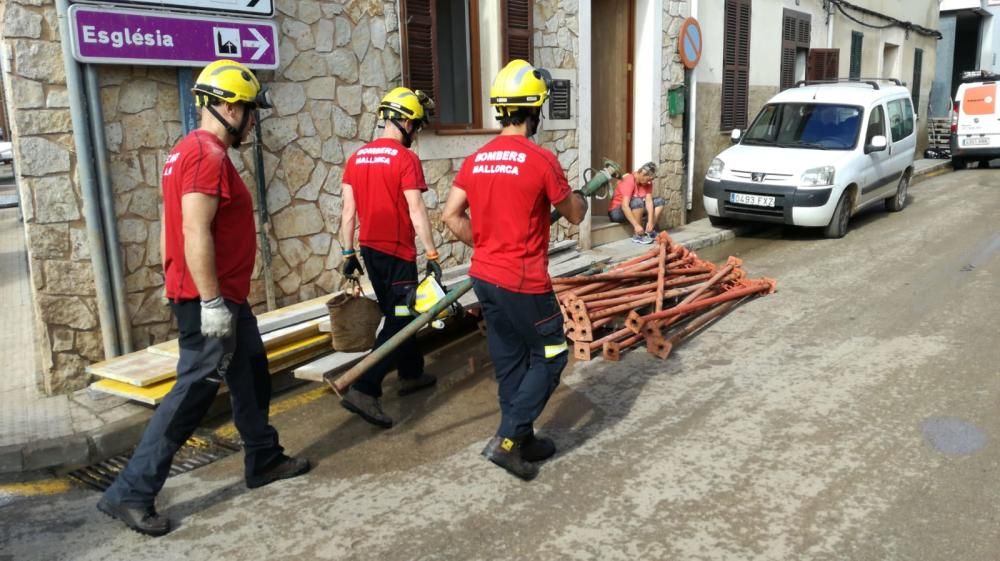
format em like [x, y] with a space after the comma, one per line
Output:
[639, 238]
[411, 385]
[651, 236]
[144, 520]
[285, 467]
[506, 453]
[367, 407]
[537, 449]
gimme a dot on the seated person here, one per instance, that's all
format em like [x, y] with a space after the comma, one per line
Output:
[634, 203]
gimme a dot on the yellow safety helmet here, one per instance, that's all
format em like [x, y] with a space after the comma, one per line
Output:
[230, 81]
[404, 103]
[519, 84]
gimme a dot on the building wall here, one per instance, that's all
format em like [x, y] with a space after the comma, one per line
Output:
[337, 59]
[765, 52]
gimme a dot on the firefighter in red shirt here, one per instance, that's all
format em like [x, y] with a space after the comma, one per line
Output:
[383, 185]
[508, 186]
[208, 245]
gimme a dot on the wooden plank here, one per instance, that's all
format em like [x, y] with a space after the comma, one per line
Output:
[138, 369]
[287, 357]
[271, 340]
[335, 362]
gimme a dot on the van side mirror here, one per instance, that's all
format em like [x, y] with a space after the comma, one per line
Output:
[878, 144]
[735, 135]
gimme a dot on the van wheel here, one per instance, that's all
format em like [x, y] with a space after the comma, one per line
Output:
[957, 164]
[718, 221]
[896, 203]
[837, 227]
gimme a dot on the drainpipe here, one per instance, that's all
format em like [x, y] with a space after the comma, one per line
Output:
[829, 25]
[88, 187]
[111, 239]
[692, 124]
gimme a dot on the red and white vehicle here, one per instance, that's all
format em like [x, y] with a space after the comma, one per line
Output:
[975, 121]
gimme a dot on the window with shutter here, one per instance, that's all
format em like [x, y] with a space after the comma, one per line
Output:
[518, 30]
[795, 34]
[857, 38]
[442, 52]
[918, 63]
[736, 65]
[824, 64]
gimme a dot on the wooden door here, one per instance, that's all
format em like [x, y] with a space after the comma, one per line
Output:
[611, 75]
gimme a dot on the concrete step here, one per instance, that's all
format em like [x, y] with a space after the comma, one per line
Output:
[604, 231]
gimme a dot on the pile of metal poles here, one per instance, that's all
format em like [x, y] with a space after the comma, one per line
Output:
[660, 297]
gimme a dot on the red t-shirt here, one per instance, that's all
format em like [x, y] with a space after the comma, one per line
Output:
[379, 172]
[199, 164]
[511, 183]
[627, 188]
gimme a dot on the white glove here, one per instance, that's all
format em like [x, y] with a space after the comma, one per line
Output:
[216, 319]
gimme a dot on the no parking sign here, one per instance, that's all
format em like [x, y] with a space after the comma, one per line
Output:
[689, 43]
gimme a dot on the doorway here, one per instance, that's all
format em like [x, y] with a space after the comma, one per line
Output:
[612, 61]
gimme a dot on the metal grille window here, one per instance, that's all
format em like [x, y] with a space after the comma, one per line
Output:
[736, 65]
[918, 63]
[857, 38]
[559, 99]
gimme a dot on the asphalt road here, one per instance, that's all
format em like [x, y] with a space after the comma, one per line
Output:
[850, 416]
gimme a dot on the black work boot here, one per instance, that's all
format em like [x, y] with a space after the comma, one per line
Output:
[537, 449]
[367, 407]
[284, 467]
[506, 453]
[142, 519]
[411, 385]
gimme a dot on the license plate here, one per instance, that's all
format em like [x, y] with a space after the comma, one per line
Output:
[975, 141]
[754, 200]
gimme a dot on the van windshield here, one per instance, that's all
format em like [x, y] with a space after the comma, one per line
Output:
[816, 126]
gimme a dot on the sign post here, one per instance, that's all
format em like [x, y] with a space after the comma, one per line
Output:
[122, 36]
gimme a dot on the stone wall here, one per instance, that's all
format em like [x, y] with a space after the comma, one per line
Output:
[67, 329]
[671, 180]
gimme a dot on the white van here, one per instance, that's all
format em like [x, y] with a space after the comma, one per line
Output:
[975, 123]
[815, 155]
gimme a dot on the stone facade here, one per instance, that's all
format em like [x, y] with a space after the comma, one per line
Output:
[337, 59]
[670, 175]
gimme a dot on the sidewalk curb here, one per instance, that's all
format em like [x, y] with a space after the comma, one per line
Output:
[940, 167]
[65, 453]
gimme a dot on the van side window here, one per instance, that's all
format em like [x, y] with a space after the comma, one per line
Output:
[900, 119]
[876, 124]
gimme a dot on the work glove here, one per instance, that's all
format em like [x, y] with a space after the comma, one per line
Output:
[216, 319]
[351, 266]
[433, 267]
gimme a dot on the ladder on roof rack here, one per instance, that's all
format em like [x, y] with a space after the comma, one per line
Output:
[873, 82]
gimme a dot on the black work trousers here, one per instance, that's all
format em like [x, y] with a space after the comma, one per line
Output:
[524, 333]
[204, 363]
[392, 279]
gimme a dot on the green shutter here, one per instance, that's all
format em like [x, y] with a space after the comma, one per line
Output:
[918, 63]
[856, 40]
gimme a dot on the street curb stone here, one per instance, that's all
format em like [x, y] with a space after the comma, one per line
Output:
[65, 452]
[117, 437]
[10, 459]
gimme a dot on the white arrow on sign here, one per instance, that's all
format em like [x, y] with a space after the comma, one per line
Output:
[261, 44]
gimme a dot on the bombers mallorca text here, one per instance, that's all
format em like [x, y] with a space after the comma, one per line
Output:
[378, 155]
[499, 168]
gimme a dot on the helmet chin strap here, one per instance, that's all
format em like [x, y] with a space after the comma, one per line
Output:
[407, 137]
[237, 134]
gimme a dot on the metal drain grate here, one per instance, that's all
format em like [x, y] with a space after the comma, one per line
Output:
[196, 452]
